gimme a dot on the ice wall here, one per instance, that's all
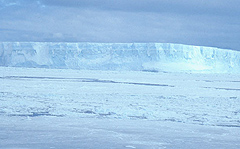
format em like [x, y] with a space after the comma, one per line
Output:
[119, 56]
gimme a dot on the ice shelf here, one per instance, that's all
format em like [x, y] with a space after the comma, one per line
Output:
[120, 56]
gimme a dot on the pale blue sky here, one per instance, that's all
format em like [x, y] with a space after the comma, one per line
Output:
[196, 22]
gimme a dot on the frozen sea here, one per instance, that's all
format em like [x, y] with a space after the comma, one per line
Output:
[63, 108]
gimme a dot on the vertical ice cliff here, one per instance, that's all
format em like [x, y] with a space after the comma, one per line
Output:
[119, 56]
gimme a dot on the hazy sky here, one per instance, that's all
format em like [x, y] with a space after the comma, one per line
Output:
[196, 22]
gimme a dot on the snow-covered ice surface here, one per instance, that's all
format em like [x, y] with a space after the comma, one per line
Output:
[64, 108]
[62, 132]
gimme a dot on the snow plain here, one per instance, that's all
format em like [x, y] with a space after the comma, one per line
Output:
[64, 108]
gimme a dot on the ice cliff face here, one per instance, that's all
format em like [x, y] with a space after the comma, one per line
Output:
[119, 56]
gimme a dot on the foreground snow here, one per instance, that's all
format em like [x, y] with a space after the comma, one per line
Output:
[55, 108]
[64, 132]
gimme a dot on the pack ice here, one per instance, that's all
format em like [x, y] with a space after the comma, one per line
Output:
[119, 56]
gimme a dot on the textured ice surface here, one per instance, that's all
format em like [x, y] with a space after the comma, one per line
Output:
[206, 99]
[64, 108]
[119, 56]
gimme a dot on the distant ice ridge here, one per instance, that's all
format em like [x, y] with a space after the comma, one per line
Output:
[119, 56]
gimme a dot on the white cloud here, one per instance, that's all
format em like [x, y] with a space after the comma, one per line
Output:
[188, 22]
